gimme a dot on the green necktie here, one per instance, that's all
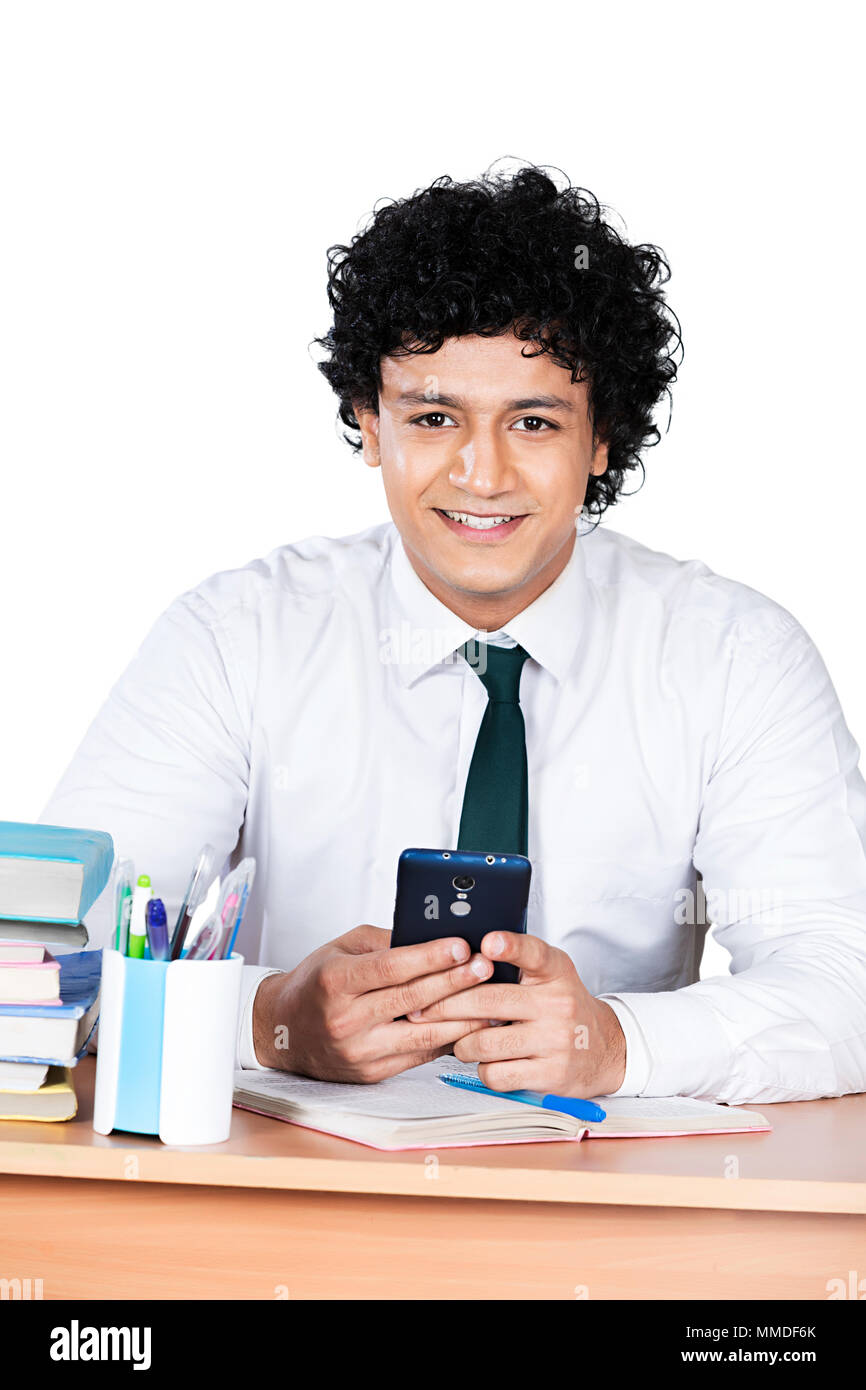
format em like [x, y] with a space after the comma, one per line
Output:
[496, 801]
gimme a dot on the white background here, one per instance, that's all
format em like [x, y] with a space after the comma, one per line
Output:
[171, 177]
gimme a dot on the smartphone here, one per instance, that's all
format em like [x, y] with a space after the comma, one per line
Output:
[451, 892]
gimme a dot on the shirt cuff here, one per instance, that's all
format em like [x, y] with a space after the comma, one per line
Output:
[688, 1051]
[246, 1058]
[638, 1062]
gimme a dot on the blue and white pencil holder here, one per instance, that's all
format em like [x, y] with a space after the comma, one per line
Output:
[165, 1051]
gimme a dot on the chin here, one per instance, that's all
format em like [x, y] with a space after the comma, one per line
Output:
[486, 580]
[483, 571]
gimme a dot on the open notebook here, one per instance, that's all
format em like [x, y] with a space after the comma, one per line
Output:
[416, 1110]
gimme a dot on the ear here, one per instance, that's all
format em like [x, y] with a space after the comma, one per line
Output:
[368, 423]
[599, 459]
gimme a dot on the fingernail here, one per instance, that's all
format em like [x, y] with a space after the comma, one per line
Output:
[480, 967]
[460, 950]
[496, 944]
[414, 1016]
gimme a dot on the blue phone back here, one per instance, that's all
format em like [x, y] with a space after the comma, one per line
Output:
[429, 905]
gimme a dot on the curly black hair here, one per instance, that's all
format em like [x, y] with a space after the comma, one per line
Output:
[509, 253]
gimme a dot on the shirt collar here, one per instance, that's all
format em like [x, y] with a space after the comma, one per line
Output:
[425, 633]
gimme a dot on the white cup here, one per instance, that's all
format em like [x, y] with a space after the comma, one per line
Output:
[166, 1050]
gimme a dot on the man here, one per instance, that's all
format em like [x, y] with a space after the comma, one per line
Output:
[498, 351]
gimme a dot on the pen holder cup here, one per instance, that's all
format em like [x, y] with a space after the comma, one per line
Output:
[166, 1047]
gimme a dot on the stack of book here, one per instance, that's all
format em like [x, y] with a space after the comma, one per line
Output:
[50, 877]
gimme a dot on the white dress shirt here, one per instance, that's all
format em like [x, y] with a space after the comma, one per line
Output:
[306, 709]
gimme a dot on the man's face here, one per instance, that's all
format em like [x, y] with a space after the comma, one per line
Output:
[471, 434]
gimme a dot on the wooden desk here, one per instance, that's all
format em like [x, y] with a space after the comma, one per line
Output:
[280, 1211]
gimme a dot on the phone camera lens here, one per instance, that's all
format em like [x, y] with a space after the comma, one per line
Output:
[462, 882]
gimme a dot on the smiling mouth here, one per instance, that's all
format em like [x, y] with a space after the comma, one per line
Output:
[474, 521]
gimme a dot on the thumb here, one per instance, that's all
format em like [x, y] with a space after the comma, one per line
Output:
[536, 959]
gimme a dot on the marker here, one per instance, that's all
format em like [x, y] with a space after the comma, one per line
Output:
[581, 1109]
[123, 876]
[157, 929]
[138, 922]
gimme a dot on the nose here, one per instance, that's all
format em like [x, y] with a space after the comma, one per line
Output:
[482, 465]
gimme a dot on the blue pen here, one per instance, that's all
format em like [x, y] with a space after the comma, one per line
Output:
[157, 929]
[246, 872]
[581, 1109]
[243, 902]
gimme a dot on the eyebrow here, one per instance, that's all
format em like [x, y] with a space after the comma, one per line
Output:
[527, 403]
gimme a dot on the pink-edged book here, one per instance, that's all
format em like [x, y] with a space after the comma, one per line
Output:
[28, 974]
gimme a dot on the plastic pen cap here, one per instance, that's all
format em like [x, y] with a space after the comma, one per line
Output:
[202, 877]
[138, 921]
[154, 913]
[157, 929]
[205, 870]
[123, 881]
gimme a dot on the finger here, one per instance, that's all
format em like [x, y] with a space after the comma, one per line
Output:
[373, 1045]
[418, 1037]
[498, 1044]
[502, 1002]
[535, 957]
[426, 989]
[392, 1066]
[516, 1074]
[364, 938]
[394, 966]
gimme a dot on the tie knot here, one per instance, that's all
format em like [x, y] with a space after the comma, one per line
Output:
[498, 669]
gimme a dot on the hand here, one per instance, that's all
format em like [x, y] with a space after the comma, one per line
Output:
[561, 1038]
[339, 1015]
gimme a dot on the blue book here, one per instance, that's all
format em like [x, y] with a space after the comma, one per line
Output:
[55, 1033]
[51, 873]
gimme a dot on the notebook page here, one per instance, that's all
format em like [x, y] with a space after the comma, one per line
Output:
[666, 1108]
[413, 1095]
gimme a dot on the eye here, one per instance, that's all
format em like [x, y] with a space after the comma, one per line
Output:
[534, 424]
[434, 420]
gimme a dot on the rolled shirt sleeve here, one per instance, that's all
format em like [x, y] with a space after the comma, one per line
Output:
[781, 847]
[246, 1058]
[637, 1056]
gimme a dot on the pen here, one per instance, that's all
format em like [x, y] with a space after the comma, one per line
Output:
[211, 933]
[123, 876]
[243, 902]
[200, 881]
[137, 921]
[580, 1109]
[246, 872]
[227, 916]
[157, 929]
[221, 927]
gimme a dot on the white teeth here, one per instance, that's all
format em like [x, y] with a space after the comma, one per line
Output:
[479, 523]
